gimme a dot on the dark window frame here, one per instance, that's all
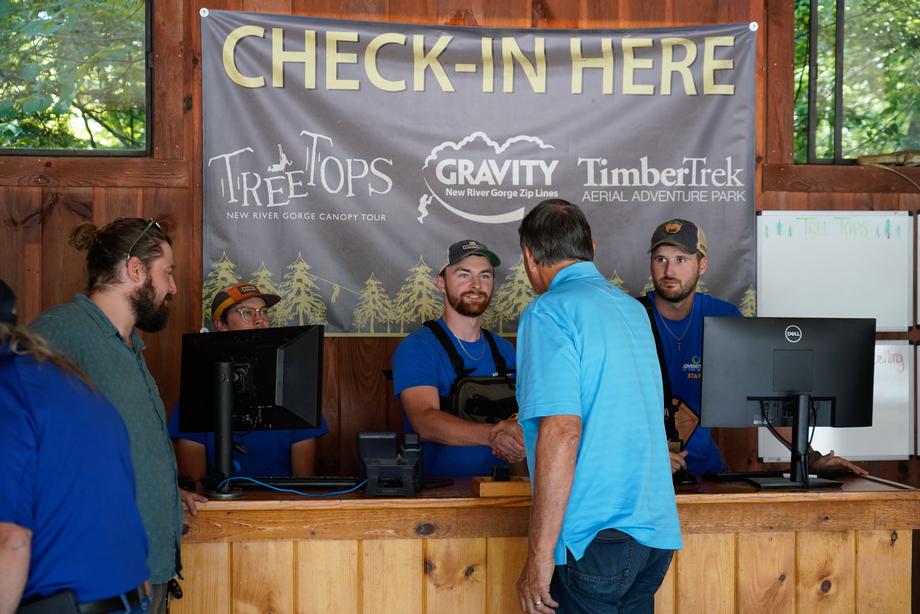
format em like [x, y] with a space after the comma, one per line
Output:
[148, 149]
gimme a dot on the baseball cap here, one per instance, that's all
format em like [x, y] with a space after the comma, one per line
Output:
[237, 293]
[469, 247]
[7, 304]
[680, 233]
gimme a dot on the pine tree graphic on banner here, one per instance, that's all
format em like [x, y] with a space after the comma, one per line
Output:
[222, 275]
[618, 281]
[701, 287]
[648, 287]
[418, 298]
[300, 297]
[512, 296]
[374, 307]
[748, 306]
[263, 279]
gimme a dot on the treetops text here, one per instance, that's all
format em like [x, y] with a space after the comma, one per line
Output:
[394, 62]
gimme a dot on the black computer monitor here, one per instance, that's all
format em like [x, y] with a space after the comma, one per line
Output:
[277, 378]
[799, 372]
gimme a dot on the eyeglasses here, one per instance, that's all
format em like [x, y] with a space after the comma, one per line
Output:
[150, 224]
[249, 314]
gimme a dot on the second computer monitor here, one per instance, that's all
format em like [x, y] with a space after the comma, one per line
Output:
[754, 369]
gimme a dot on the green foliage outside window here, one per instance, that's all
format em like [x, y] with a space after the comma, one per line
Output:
[880, 80]
[73, 75]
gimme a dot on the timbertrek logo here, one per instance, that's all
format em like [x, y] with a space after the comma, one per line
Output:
[693, 172]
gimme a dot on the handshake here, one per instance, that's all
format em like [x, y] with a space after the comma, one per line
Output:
[507, 440]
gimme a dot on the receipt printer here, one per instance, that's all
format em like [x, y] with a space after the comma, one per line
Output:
[390, 471]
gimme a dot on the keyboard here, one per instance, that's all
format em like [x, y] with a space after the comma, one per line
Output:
[738, 476]
[314, 482]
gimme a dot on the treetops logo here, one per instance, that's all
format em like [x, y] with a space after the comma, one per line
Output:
[481, 180]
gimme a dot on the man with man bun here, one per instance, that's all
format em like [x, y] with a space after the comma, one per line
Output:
[131, 282]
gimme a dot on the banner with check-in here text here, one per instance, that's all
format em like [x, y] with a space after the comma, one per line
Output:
[342, 158]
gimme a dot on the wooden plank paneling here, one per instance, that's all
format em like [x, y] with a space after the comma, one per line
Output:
[327, 577]
[20, 242]
[455, 575]
[206, 587]
[93, 172]
[883, 572]
[706, 574]
[169, 86]
[505, 558]
[766, 572]
[263, 577]
[63, 267]
[666, 596]
[387, 586]
[826, 563]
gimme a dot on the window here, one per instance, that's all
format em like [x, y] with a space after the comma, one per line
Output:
[856, 78]
[74, 77]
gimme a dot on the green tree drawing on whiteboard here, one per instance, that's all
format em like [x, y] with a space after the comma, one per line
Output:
[374, 307]
[511, 298]
[222, 274]
[418, 299]
[748, 306]
[264, 279]
[300, 295]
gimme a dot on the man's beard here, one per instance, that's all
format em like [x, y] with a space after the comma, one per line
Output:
[470, 311]
[675, 295]
[148, 316]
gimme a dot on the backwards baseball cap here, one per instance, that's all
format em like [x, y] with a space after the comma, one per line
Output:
[468, 247]
[680, 233]
[237, 293]
[7, 304]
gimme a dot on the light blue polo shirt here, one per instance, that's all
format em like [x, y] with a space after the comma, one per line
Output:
[585, 348]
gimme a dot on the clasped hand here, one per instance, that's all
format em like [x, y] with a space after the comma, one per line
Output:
[507, 441]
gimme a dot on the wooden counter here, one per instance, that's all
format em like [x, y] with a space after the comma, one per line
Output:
[847, 550]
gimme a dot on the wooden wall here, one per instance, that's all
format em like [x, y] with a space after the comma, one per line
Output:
[41, 199]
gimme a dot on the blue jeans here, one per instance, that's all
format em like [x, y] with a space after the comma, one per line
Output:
[616, 575]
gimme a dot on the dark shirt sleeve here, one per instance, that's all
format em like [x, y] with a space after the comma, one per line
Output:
[18, 451]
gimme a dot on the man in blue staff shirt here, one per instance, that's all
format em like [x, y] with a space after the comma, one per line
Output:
[423, 374]
[282, 452]
[678, 258]
[603, 522]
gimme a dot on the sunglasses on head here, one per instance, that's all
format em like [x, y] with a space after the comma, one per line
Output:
[150, 224]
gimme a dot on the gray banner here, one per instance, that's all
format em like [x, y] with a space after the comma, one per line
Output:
[342, 158]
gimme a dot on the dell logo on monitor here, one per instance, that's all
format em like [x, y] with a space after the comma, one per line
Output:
[793, 333]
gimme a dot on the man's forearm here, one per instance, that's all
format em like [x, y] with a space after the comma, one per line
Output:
[440, 427]
[557, 450]
[15, 550]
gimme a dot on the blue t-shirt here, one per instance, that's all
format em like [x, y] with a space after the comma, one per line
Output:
[67, 477]
[268, 453]
[420, 360]
[685, 370]
[585, 348]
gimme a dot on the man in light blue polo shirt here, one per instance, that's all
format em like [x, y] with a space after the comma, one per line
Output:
[603, 524]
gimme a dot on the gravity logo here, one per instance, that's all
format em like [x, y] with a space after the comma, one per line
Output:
[793, 333]
[483, 181]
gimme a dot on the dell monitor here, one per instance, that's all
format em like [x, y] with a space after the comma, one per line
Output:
[798, 372]
[250, 380]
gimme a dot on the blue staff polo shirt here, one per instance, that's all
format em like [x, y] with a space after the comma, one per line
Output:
[585, 348]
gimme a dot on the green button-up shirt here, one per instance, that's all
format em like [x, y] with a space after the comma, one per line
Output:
[81, 331]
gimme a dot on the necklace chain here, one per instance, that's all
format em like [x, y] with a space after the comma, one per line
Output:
[664, 322]
[482, 350]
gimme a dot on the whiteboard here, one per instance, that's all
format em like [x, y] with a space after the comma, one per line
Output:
[836, 264]
[891, 436]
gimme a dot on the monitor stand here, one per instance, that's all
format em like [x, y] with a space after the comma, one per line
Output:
[798, 470]
[223, 432]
